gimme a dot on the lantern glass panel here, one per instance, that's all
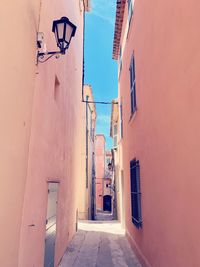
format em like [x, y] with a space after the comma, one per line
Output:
[69, 30]
[60, 27]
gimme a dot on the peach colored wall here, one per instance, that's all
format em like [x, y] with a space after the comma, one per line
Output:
[84, 200]
[83, 191]
[100, 169]
[118, 161]
[164, 132]
[18, 27]
[55, 139]
[40, 139]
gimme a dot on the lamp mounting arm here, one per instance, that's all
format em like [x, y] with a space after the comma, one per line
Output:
[41, 56]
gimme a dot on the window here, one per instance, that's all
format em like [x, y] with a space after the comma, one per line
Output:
[56, 89]
[115, 135]
[107, 160]
[115, 129]
[120, 59]
[130, 10]
[135, 193]
[121, 120]
[93, 134]
[91, 129]
[133, 85]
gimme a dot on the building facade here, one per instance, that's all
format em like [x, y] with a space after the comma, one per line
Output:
[40, 139]
[108, 183]
[100, 153]
[116, 132]
[86, 208]
[156, 45]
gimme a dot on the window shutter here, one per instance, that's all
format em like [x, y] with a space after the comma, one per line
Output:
[121, 120]
[132, 85]
[135, 193]
[130, 10]
[115, 130]
[131, 78]
[115, 141]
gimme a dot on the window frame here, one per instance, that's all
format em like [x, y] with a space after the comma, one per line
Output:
[115, 135]
[133, 85]
[130, 11]
[120, 58]
[121, 121]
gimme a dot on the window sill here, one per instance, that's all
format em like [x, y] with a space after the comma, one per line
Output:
[137, 224]
[132, 116]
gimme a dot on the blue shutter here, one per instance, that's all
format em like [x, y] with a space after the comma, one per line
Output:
[135, 193]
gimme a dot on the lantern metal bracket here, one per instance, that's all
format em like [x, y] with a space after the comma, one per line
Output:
[41, 56]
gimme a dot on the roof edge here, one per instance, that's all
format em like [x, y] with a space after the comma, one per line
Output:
[114, 101]
[118, 27]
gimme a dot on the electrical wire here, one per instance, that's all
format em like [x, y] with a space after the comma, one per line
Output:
[100, 102]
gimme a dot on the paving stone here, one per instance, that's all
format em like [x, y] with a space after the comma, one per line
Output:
[73, 249]
[99, 245]
[131, 259]
[104, 257]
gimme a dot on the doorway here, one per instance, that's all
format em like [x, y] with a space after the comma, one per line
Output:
[50, 238]
[107, 200]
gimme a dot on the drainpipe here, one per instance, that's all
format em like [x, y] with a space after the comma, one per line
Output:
[93, 188]
[86, 169]
[83, 70]
[114, 187]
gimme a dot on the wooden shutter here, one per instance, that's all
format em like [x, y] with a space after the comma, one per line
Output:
[135, 193]
[132, 85]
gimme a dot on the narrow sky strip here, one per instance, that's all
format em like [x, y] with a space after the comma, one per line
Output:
[100, 68]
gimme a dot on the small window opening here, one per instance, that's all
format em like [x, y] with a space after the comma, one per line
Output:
[56, 89]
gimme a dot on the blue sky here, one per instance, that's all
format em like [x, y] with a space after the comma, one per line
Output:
[100, 68]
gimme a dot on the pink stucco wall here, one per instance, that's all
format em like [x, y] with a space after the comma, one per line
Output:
[40, 136]
[19, 24]
[100, 169]
[54, 145]
[85, 205]
[164, 132]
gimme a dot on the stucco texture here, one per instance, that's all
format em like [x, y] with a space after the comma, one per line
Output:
[40, 137]
[164, 131]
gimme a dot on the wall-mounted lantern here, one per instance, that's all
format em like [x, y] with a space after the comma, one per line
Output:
[64, 30]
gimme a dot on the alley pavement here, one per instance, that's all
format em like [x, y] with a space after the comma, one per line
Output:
[104, 216]
[99, 244]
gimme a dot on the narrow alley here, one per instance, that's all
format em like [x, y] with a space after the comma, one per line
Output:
[99, 244]
[99, 133]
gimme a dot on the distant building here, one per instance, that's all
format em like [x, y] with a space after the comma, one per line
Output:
[86, 207]
[156, 45]
[117, 162]
[108, 183]
[100, 152]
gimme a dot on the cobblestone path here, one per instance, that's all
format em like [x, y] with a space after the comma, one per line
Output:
[99, 244]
